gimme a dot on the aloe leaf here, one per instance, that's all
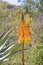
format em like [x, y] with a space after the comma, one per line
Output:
[4, 44]
[4, 56]
[1, 36]
[7, 33]
[13, 53]
[6, 49]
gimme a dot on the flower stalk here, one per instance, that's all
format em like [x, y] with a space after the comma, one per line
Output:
[22, 34]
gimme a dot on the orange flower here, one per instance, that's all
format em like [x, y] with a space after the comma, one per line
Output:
[22, 31]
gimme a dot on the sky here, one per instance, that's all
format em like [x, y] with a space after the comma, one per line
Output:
[15, 2]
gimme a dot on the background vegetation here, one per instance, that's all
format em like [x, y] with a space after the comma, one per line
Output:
[9, 21]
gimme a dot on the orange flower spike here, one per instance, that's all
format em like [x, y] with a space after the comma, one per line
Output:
[22, 30]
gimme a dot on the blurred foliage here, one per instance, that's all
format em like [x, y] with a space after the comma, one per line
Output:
[30, 7]
[40, 36]
[41, 5]
[38, 49]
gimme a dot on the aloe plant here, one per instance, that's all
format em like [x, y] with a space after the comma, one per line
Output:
[5, 52]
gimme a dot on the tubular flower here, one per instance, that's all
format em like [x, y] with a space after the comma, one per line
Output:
[22, 31]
